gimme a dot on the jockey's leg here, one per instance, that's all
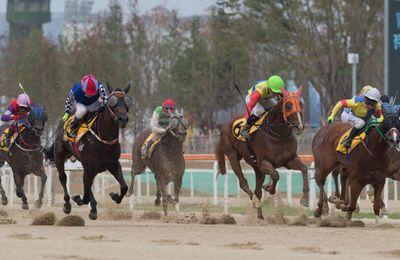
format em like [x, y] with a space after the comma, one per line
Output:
[81, 111]
[8, 136]
[356, 122]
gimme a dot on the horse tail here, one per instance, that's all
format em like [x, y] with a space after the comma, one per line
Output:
[220, 155]
[49, 153]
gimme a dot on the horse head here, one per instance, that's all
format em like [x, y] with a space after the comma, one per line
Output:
[178, 125]
[118, 104]
[37, 120]
[292, 109]
[390, 128]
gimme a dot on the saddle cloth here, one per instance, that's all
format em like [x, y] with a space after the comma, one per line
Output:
[3, 146]
[149, 145]
[239, 124]
[83, 129]
[357, 140]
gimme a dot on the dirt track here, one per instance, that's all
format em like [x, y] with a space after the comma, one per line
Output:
[139, 239]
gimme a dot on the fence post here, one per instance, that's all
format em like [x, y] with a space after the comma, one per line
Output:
[289, 188]
[395, 191]
[103, 184]
[226, 194]
[35, 188]
[386, 193]
[215, 184]
[29, 184]
[68, 173]
[139, 188]
[329, 184]
[49, 186]
[11, 178]
[312, 186]
[147, 184]
[238, 187]
[191, 186]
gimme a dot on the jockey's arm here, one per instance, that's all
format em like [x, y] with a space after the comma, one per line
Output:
[7, 116]
[103, 93]
[378, 110]
[155, 125]
[68, 102]
[342, 103]
[254, 98]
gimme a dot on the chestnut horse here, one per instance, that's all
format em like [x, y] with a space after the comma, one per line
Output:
[274, 146]
[368, 162]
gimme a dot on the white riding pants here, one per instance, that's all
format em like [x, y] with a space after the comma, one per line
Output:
[348, 117]
[81, 109]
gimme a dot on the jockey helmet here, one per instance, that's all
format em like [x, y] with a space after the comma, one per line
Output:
[275, 83]
[89, 85]
[168, 106]
[373, 94]
[365, 89]
[23, 100]
[385, 99]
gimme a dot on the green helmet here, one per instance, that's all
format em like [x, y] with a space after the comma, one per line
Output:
[275, 83]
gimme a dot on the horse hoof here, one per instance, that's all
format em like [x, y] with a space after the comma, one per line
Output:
[4, 201]
[93, 215]
[77, 199]
[38, 204]
[157, 202]
[332, 199]
[67, 208]
[304, 202]
[115, 197]
[25, 206]
[317, 213]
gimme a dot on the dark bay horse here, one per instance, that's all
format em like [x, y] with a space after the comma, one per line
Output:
[25, 155]
[166, 161]
[274, 145]
[99, 151]
[368, 162]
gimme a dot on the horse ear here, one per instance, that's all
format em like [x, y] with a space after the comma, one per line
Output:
[126, 90]
[300, 90]
[109, 88]
[284, 92]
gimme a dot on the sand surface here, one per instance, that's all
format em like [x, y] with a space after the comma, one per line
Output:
[136, 238]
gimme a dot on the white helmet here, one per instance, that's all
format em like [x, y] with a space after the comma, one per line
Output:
[373, 94]
[23, 100]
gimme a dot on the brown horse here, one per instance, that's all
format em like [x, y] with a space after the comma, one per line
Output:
[100, 151]
[274, 146]
[367, 165]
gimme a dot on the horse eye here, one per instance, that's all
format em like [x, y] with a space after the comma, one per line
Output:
[288, 106]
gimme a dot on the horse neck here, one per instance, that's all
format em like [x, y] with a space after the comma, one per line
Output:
[173, 143]
[276, 121]
[377, 144]
[29, 137]
[107, 127]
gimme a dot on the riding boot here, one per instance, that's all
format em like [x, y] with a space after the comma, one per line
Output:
[74, 127]
[250, 121]
[347, 143]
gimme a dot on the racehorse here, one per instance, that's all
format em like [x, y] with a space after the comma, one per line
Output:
[274, 145]
[166, 161]
[25, 155]
[99, 150]
[368, 163]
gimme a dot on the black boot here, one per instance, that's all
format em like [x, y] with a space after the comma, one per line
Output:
[347, 143]
[74, 127]
[250, 121]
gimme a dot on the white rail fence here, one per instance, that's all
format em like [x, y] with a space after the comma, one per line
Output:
[105, 180]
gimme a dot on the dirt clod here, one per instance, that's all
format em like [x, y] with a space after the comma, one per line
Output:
[333, 221]
[302, 220]
[119, 214]
[227, 219]
[3, 213]
[47, 219]
[7, 221]
[72, 221]
[151, 215]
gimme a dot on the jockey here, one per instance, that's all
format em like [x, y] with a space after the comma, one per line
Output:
[362, 107]
[86, 95]
[266, 89]
[18, 109]
[161, 115]
[387, 108]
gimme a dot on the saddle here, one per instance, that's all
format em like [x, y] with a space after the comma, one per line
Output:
[239, 124]
[356, 141]
[82, 130]
[3, 140]
[149, 145]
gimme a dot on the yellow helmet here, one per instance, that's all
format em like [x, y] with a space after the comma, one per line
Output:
[365, 89]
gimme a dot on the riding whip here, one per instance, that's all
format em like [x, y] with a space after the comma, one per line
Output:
[244, 101]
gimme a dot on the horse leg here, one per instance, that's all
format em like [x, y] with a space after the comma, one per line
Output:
[344, 194]
[157, 201]
[297, 164]
[43, 179]
[335, 197]
[267, 168]
[320, 177]
[136, 169]
[378, 187]
[260, 177]
[355, 190]
[59, 159]
[177, 190]
[116, 171]
[19, 183]
[88, 178]
[163, 190]
[93, 206]
[4, 200]
[237, 169]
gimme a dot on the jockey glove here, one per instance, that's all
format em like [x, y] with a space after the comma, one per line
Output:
[65, 117]
[330, 119]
